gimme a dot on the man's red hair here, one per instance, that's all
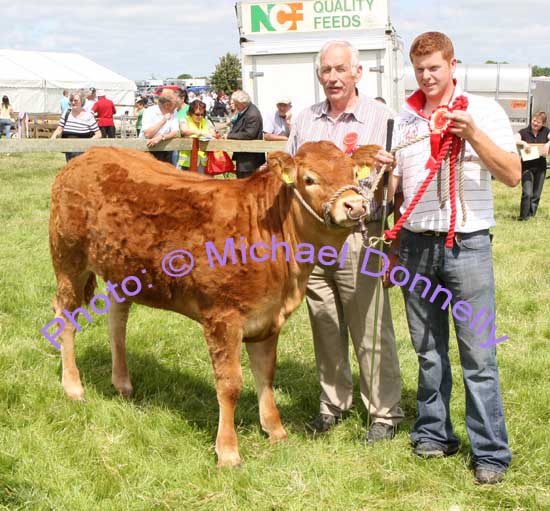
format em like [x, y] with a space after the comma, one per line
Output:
[431, 42]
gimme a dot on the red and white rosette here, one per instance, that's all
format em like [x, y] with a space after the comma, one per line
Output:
[350, 142]
[439, 126]
[438, 122]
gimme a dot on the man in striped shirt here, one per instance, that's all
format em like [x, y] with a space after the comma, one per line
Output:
[465, 269]
[342, 299]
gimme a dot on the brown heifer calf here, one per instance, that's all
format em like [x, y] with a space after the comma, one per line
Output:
[117, 212]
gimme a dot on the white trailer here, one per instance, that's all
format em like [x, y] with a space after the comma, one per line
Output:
[279, 42]
[540, 87]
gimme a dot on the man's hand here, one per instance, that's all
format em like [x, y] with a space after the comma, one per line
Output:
[153, 141]
[384, 158]
[463, 125]
[166, 117]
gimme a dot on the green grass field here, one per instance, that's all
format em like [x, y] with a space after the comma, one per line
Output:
[155, 452]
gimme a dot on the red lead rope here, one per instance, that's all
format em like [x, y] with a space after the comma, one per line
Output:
[441, 142]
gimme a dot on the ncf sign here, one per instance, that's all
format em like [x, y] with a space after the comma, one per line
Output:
[276, 17]
[312, 16]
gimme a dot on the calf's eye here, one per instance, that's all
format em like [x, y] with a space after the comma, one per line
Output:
[309, 181]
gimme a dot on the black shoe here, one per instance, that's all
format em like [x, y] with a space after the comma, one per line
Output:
[488, 476]
[322, 423]
[427, 449]
[380, 431]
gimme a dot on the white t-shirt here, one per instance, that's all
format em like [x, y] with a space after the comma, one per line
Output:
[152, 116]
[89, 104]
[411, 161]
[276, 125]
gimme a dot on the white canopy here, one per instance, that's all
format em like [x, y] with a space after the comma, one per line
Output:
[34, 80]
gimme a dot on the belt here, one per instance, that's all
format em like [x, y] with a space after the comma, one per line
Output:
[432, 234]
[458, 235]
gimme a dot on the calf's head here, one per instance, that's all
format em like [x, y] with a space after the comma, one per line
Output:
[320, 172]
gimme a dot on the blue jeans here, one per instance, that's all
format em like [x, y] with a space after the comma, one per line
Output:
[467, 271]
[5, 127]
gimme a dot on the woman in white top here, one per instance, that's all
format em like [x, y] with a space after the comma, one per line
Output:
[6, 113]
[77, 122]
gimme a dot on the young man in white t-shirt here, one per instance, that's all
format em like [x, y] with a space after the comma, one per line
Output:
[465, 269]
[277, 124]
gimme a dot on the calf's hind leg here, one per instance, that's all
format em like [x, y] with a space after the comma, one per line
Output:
[117, 318]
[263, 357]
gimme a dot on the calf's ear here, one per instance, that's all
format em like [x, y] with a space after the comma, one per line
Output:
[283, 165]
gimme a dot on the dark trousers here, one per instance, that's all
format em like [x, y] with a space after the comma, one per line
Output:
[532, 182]
[165, 156]
[70, 156]
[107, 131]
[244, 169]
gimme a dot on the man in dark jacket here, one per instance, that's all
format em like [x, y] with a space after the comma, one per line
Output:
[247, 126]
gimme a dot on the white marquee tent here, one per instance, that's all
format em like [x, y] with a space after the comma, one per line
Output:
[34, 80]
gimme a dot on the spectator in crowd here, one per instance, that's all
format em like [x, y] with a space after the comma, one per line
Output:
[277, 124]
[65, 104]
[160, 123]
[208, 100]
[342, 299]
[77, 122]
[183, 104]
[104, 109]
[139, 108]
[465, 269]
[220, 108]
[248, 126]
[181, 114]
[90, 99]
[533, 171]
[195, 125]
[6, 114]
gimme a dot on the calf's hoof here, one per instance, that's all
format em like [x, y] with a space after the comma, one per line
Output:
[229, 459]
[277, 436]
[123, 387]
[74, 391]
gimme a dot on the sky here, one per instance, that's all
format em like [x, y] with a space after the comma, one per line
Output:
[140, 39]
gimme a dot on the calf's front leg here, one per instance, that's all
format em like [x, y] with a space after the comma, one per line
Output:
[224, 341]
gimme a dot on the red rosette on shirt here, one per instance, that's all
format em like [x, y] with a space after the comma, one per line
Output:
[350, 142]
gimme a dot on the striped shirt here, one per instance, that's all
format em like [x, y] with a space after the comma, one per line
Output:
[411, 161]
[83, 126]
[368, 120]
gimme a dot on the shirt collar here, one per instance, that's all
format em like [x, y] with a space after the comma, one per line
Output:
[359, 111]
[416, 101]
